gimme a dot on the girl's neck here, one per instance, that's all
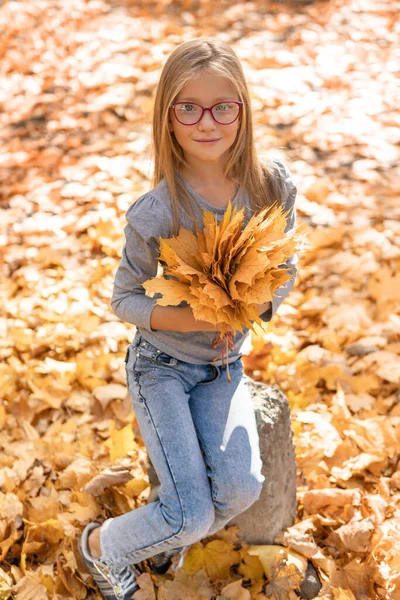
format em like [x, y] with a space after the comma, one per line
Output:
[204, 177]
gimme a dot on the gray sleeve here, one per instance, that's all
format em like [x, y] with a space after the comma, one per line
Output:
[290, 192]
[147, 219]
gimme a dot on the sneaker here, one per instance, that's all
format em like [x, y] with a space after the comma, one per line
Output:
[160, 563]
[114, 583]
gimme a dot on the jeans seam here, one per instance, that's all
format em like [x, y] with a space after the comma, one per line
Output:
[211, 463]
[136, 375]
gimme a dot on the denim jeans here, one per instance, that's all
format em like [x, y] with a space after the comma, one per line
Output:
[201, 436]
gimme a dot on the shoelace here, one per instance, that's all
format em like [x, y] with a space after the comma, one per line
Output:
[122, 577]
[105, 573]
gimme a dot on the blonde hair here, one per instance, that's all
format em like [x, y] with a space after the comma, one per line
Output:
[187, 61]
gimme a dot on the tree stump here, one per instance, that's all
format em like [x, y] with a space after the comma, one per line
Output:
[275, 510]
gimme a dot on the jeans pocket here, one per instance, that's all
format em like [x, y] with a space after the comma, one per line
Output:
[147, 353]
[213, 373]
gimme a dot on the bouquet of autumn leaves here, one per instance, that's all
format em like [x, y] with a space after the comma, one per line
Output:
[226, 270]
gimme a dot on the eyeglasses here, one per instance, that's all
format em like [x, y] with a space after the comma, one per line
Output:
[223, 113]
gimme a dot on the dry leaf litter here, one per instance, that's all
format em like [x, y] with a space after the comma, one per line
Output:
[77, 80]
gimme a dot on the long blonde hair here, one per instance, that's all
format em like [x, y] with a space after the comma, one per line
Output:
[187, 61]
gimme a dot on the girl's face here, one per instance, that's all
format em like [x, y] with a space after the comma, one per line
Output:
[206, 90]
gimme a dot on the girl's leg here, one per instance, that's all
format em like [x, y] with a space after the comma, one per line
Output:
[225, 423]
[185, 511]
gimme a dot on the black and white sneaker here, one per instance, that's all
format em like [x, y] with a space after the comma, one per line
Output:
[114, 583]
[160, 563]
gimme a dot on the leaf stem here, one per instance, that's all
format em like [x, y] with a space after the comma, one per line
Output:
[226, 340]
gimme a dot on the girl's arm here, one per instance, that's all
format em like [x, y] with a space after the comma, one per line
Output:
[262, 308]
[178, 318]
[173, 318]
[148, 219]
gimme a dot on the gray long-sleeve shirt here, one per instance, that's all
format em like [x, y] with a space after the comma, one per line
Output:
[149, 218]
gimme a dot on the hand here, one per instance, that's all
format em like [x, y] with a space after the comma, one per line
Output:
[264, 307]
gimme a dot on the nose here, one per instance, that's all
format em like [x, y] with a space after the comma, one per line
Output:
[206, 121]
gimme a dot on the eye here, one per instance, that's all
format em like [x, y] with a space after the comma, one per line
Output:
[187, 107]
[224, 107]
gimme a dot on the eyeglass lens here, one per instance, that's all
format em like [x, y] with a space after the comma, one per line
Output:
[190, 113]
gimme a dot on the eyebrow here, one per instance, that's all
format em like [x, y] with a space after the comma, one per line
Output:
[221, 99]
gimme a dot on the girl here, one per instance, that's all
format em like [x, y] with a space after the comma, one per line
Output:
[200, 430]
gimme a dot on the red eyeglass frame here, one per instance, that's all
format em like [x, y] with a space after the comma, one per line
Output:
[203, 110]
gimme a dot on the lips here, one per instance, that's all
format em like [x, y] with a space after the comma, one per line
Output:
[208, 141]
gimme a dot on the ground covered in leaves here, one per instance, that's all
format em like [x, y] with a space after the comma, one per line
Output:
[77, 79]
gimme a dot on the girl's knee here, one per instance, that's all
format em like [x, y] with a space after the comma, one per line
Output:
[250, 492]
[197, 522]
[237, 496]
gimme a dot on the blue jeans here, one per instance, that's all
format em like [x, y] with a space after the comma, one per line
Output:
[201, 436]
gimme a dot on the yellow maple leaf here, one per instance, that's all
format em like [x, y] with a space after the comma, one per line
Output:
[251, 566]
[30, 587]
[284, 578]
[215, 558]
[51, 531]
[120, 441]
[226, 270]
